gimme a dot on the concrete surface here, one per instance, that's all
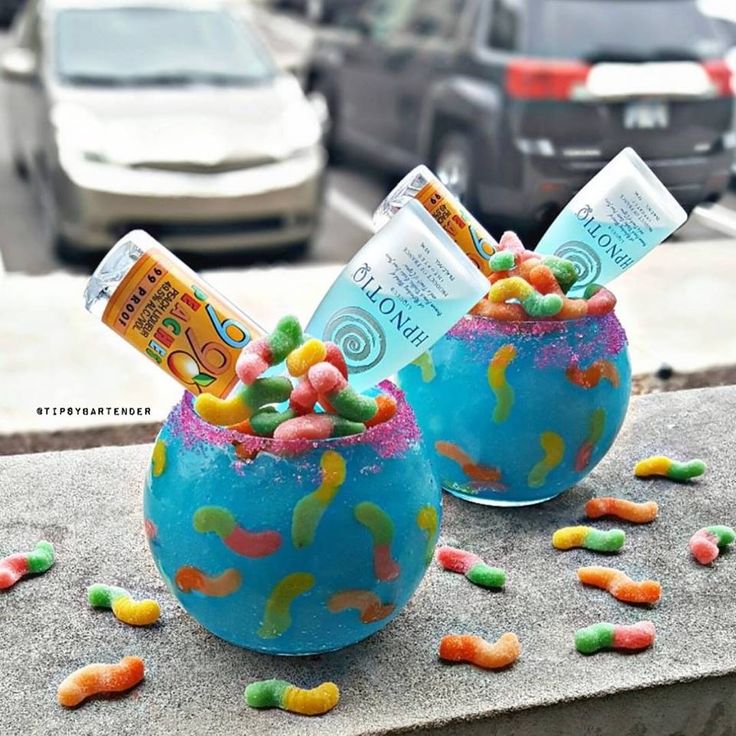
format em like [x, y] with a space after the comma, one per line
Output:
[88, 504]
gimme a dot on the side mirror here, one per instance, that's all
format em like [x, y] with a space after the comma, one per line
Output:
[19, 65]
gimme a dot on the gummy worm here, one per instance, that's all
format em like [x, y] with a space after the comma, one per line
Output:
[476, 650]
[284, 695]
[664, 466]
[379, 524]
[387, 407]
[317, 427]
[327, 381]
[498, 383]
[544, 281]
[133, 613]
[100, 678]
[706, 543]
[428, 521]
[502, 261]
[190, 579]
[600, 300]
[426, 366]
[589, 538]
[158, 458]
[620, 585]
[270, 350]
[14, 567]
[481, 473]
[594, 374]
[151, 530]
[554, 449]
[239, 540]
[502, 312]
[585, 453]
[245, 402]
[367, 603]
[308, 511]
[611, 636]
[636, 513]
[563, 270]
[313, 351]
[277, 616]
[534, 303]
[472, 566]
[268, 420]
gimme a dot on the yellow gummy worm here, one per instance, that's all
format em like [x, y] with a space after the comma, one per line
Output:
[428, 521]
[426, 365]
[136, 613]
[158, 458]
[569, 537]
[511, 288]
[222, 412]
[314, 702]
[498, 383]
[303, 358]
[277, 615]
[554, 450]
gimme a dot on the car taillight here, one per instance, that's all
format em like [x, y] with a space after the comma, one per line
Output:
[539, 79]
[720, 75]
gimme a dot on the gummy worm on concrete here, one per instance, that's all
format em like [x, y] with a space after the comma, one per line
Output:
[472, 566]
[428, 521]
[284, 695]
[554, 450]
[636, 513]
[277, 615]
[706, 544]
[632, 638]
[379, 524]
[241, 541]
[594, 374]
[499, 384]
[588, 538]
[125, 609]
[666, 467]
[620, 585]
[14, 567]
[476, 650]
[100, 678]
[190, 579]
[309, 510]
[585, 453]
[367, 603]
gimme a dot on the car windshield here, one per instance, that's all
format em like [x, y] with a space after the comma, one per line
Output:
[135, 46]
[622, 30]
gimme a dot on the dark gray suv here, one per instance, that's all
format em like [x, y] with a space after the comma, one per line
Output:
[517, 103]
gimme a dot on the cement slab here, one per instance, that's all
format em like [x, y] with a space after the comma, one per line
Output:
[88, 504]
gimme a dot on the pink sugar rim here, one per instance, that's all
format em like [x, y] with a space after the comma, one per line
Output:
[388, 439]
[467, 325]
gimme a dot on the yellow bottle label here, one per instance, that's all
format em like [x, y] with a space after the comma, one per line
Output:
[473, 239]
[165, 311]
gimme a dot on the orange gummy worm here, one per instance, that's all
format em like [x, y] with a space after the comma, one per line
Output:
[594, 374]
[637, 513]
[503, 312]
[192, 578]
[620, 585]
[100, 678]
[476, 650]
[386, 410]
[543, 280]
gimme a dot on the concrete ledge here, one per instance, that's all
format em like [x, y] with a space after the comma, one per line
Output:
[88, 504]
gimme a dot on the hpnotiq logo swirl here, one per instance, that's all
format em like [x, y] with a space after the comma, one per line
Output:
[360, 337]
[586, 261]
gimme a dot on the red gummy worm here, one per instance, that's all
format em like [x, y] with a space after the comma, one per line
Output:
[456, 560]
[252, 544]
[12, 569]
[385, 566]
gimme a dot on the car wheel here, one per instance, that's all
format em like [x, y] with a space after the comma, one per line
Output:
[453, 164]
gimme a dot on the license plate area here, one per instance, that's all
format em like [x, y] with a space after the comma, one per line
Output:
[646, 115]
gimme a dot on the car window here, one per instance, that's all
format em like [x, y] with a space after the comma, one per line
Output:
[505, 25]
[435, 18]
[156, 45]
[622, 30]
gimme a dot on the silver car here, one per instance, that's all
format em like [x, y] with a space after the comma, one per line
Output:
[169, 115]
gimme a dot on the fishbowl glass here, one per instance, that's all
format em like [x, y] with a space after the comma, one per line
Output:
[515, 413]
[295, 547]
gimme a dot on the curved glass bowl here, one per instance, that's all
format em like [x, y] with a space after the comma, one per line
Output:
[516, 413]
[291, 547]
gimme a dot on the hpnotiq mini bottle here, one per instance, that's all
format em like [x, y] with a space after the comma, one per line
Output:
[422, 185]
[167, 312]
[400, 293]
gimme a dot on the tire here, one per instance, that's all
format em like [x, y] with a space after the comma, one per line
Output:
[453, 162]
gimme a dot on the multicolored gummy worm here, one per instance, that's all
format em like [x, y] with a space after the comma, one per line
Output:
[476, 650]
[367, 603]
[329, 382]
[379, 524]
[472, 566]
[634, 638]
[533, 303]
[636, 513]
[309, 510]
[668, 468]
[190, 579]
[241, 541]
[588, 538]
[260, 355]
[284, 695]
[125, 609]
[597, 427]
[18, 565]
[706, 544]
[277, 614]
[500, 386]
[620, 585]
[95, 679]
[554, 450]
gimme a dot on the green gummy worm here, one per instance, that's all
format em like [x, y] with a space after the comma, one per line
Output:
[267, 421]
[284, 339]
[214, 519]
[345, 428]
[594, 638]
[685, 471]
[377, 521]
[262, 391]
[548, 305]
[564, 271]
[266, 694]
[102, 596]
[600, 541]
[724, 534]
[502, 261]
[486, 576]
[42, 557]
[351, 405]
